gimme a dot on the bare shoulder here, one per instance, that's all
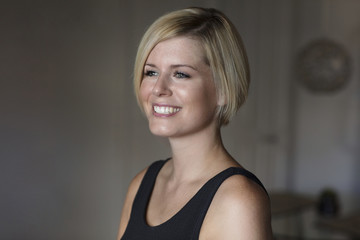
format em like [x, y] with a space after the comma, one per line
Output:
[129, 199]
[240, 210]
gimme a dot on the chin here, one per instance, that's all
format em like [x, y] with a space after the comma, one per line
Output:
[160, 131]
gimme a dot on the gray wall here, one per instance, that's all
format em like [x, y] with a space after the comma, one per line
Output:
[72, 136]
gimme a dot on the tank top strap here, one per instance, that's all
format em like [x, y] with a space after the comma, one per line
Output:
[145, 190]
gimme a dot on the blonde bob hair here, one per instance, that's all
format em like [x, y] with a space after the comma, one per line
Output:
[223, 47]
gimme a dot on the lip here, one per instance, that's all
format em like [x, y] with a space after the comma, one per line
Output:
[174, 108]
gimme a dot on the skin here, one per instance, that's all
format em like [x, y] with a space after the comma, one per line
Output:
[176, 75]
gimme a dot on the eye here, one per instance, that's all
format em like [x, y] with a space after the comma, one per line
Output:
[178, 74]
[150, 73]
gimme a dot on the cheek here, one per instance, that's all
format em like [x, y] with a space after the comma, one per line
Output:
[211, 93]
[204, 95]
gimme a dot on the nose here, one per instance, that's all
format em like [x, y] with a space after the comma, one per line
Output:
[161, 87]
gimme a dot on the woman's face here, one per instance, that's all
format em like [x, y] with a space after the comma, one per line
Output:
[177, 92]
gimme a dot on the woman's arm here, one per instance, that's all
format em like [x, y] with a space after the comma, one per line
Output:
[240, 210]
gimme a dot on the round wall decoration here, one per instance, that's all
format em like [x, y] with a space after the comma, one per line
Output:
[323, 66]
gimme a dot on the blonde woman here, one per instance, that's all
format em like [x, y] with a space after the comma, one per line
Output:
[191, 76]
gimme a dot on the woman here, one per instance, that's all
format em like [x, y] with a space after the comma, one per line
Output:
[191, 76]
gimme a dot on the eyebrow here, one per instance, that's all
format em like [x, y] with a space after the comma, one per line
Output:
[173, 66]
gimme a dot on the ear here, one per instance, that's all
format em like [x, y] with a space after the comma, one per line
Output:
[221, 100]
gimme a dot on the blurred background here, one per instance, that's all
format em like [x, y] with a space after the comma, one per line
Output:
[72, 136]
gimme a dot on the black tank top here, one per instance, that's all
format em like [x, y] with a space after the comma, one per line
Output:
[185, 224]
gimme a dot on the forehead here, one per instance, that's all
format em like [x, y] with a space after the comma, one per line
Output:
[178, 49]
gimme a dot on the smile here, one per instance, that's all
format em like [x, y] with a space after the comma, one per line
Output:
[166, 110]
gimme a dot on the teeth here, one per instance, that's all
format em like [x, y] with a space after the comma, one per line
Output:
[166, 110]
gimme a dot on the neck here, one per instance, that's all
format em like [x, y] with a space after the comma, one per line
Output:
[197, 154]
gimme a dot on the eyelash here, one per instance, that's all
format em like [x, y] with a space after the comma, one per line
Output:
[150, 73]
[177, 74]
